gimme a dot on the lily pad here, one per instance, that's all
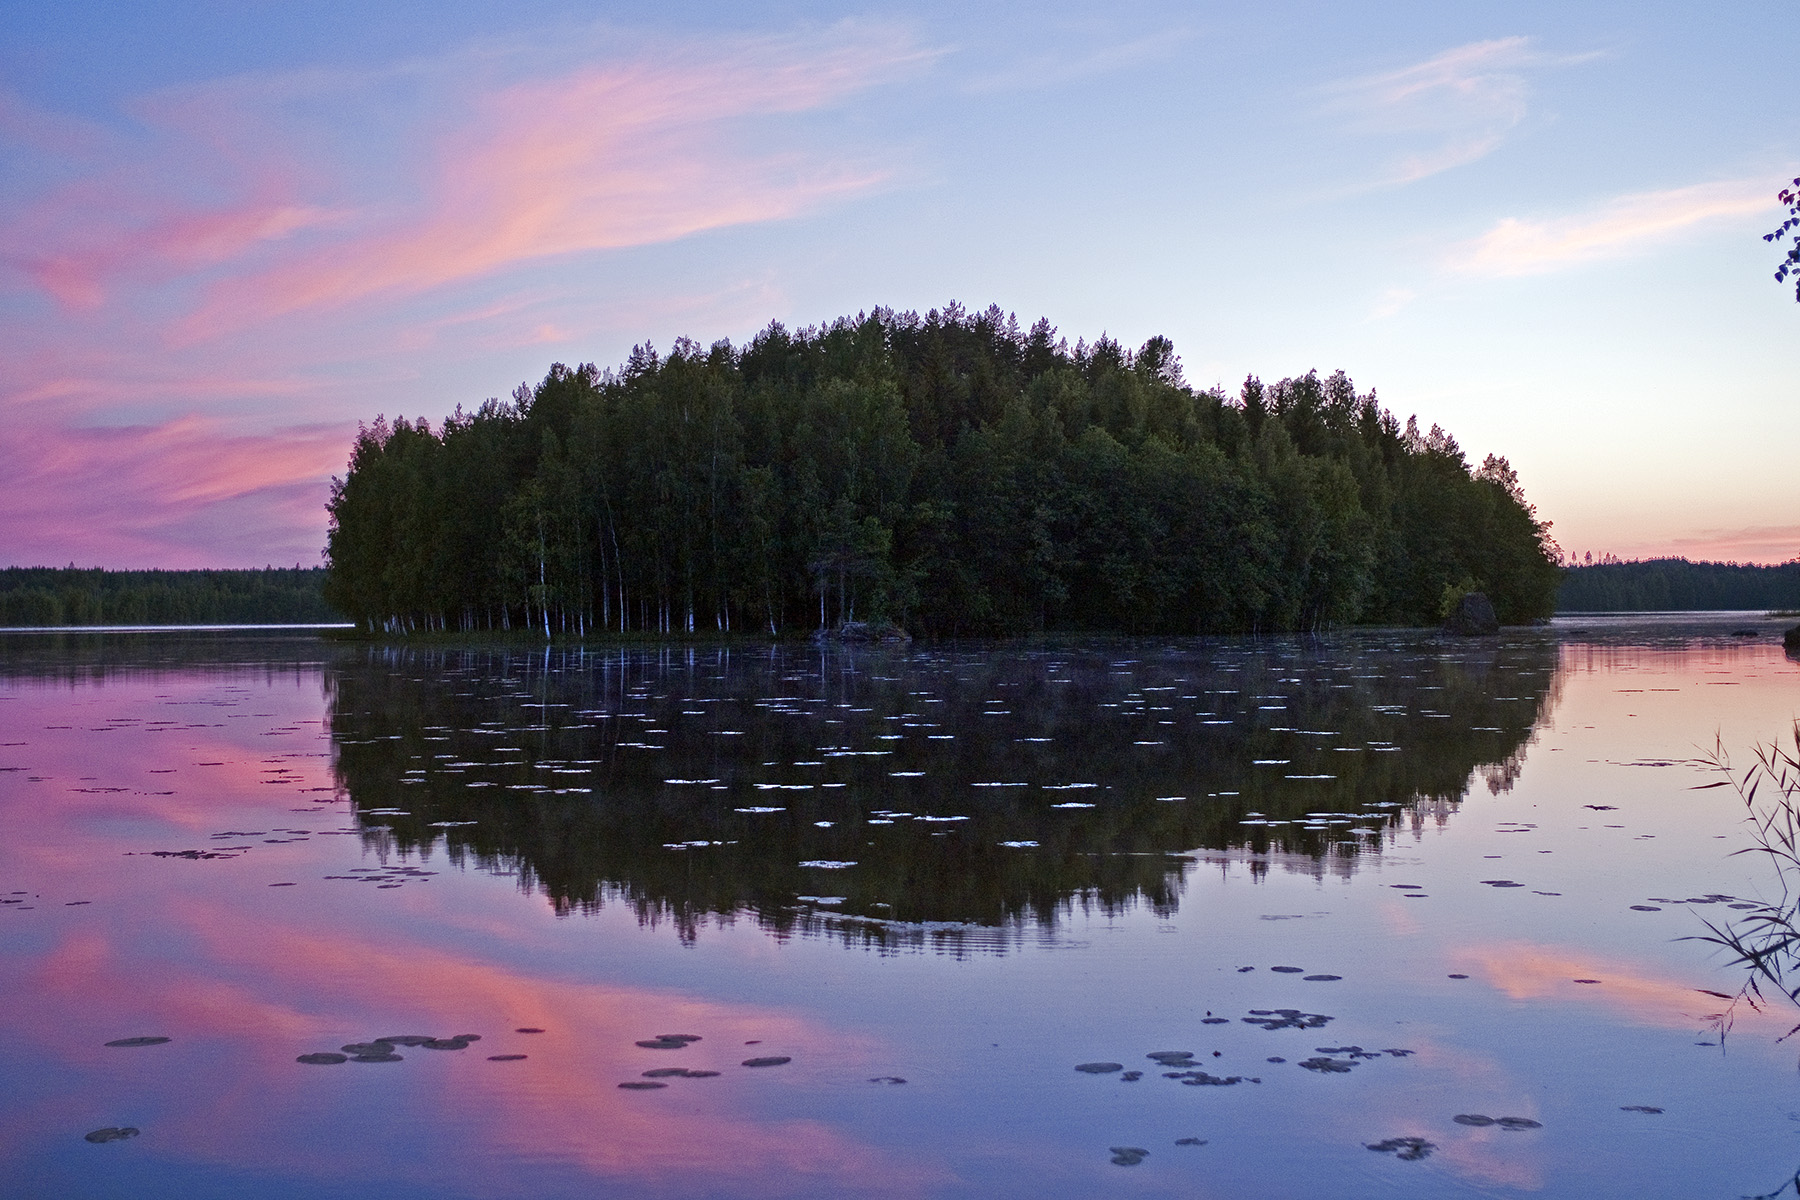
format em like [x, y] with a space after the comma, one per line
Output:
[642, 1085]
[139, 1041]
[1099, 1068]
[1128, 1156]
[323, 1059]
[1407, 1149]
[772, 1060]
[505, 1057]
[112, 1133]
[1476, 1119]
[1518, 1123]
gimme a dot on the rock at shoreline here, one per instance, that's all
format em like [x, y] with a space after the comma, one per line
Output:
[1473, 616]
[1791, 639]
[864, 631]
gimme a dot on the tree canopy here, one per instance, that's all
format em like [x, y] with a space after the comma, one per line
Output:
[956, 473]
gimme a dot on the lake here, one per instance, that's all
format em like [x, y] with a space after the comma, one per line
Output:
[1378, 913]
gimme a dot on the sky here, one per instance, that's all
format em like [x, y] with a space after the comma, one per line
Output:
[230, 232]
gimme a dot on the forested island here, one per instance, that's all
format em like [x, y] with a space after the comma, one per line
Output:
[1677, 585]
[955, 474]
[38, 596]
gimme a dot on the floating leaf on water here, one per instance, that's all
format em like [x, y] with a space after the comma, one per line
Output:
[445, 1044]
[773, 1060]
[1128, 1156]
[406, 1039]
[700, 1074]
[642, 1085]
[1169, 1058]
[1458, 977]
[112, 1133]
[1099, 1068]
[890, 1079]
[1323, 978]
[1476, 1119]
[1641, 1108]
[1190, 1141]
[1328, 1066]
[1645, 908]
[505, 1057]
[322, 1059]
[1407, 1149]
[528, 1029]
[1518, 1123]
[138, 1041]
[1288, 970]
[374, 1058]
[664, 1072]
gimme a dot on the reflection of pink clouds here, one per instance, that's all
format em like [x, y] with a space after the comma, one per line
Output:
[314, 988]
[107, 494]
[1529, 972]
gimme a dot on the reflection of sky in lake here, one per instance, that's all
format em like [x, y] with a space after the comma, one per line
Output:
[1119, 934]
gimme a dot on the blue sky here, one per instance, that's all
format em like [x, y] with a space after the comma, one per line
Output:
[229, 232]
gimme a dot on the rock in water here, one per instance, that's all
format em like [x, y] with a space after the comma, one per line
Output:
[864, 631]
[1473, 616]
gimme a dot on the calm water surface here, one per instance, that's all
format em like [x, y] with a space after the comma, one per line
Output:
[1369, 882]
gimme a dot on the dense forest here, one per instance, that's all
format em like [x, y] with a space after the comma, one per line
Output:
[955, 473]
[1675, 585]
[36, 596]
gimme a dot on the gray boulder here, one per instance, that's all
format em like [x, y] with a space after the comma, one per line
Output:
[864, 631]
[1473, 616]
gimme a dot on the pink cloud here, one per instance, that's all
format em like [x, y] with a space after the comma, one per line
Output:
[180, 493]
[1618, 228]
[601, 158]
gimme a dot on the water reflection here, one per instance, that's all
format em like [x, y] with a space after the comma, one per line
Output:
[900, 797]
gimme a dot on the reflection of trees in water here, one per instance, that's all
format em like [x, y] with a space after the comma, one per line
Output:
[1046, 715]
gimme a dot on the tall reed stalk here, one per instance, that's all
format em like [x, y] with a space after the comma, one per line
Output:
[1765, 940]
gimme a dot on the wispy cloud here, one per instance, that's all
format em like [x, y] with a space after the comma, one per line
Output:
[603, 154]
[1061, 66]
[1450, 109]
[1619, 227]
[178, 493]
[1752, 543]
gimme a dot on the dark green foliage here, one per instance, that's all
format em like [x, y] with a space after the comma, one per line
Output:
[72, 596]
[952, 472]
[1676, 585]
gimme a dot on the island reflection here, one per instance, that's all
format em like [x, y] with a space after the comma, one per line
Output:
[894, 798]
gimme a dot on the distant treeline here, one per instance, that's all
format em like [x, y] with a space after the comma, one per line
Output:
[954, 473]
[74, 596]
[1675, 584]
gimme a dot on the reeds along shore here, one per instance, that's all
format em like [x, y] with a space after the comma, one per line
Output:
[953, 473]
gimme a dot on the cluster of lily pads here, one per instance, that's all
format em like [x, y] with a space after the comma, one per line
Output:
[383, 1049]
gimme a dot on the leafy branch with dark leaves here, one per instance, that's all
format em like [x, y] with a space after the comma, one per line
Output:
[1790, 265]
